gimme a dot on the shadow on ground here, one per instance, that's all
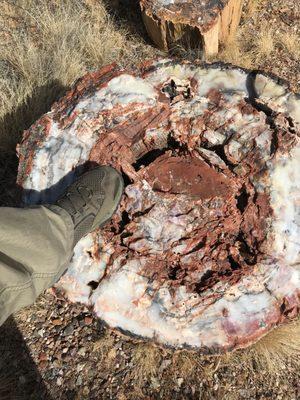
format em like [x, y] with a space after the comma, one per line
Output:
[19, 376]
[127, 14]
[12, 126]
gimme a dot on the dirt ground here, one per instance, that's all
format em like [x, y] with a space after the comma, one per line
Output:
[58, 351]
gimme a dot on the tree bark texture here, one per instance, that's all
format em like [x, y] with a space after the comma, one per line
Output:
[191, 23]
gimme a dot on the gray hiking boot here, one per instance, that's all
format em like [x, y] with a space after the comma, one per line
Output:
[92, 199]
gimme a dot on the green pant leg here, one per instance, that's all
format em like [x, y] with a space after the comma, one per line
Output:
[36, 245]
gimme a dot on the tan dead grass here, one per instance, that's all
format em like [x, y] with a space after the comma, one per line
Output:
[263, 44]
[44, 47]
[186, 363]
[273, 353]
[105, 350]
[253, 7]
[291, 43]
[146, 359]
[280, 346]
[257, 42]
[250, 51]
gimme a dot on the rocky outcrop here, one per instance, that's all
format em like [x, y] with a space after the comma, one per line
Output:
[191, 23]
[204, 249]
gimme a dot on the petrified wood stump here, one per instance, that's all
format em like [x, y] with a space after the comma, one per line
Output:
[193, 23]
[204, 249]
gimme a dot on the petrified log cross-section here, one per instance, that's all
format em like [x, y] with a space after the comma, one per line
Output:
[204, 249]
[191, 23]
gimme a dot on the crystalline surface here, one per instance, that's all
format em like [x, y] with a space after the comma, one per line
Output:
[204, 249]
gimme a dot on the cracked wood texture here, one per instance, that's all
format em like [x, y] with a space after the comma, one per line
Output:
[203, 24]
[204, 248]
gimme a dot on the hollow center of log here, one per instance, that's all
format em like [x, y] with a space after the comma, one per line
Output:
[190, 219]
[187, 175]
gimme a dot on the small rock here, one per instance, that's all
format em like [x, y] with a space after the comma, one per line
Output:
[81, 323]
[81, 351]
[59, 381]
[80, 367]
[41, 332]
[86, 391]
[43, 364]
[179, 382]
[155, 383]
[88, 320]
[69, 330]
[91, 373]
[43, 357]
[56, 363]
[73, 352]
[79, 381]
[57, 322]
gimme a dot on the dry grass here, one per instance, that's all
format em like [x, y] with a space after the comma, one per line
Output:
[105, 350]
[257, 43]
[279, 347]
[291, 43]
[55, 42]
[44, 47]
[186, 363]
[270, 357]
[146, 359]
[273, 353]
[253, 7]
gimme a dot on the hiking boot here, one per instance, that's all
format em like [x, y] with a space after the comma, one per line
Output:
[92, 199]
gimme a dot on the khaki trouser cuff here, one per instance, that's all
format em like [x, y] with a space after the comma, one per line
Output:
[36, 245]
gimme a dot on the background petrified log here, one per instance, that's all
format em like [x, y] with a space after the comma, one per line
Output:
[204, 249]
[193, 23]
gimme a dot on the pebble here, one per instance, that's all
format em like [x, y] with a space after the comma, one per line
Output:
[41, 332]
[155, 383]
[69, 330]
[180, 382]
[80, 367]
[79, 381]
[86, 391]
[88, 320]
[43, 357]
[82, 351]
[43, 364]
[57, 322]
[59, 381]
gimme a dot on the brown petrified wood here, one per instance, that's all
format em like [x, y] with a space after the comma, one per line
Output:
[203, 24]
[204, 249]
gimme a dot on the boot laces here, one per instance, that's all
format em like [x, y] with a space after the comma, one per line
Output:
[77, 200]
